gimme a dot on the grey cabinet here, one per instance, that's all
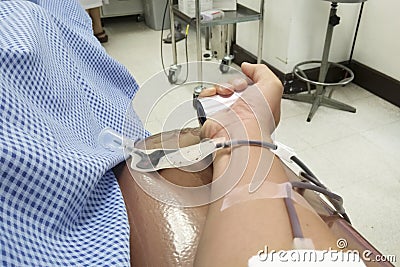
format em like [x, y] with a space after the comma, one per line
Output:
[122, 8]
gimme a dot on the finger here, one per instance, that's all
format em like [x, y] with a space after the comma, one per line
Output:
[225, 89]
[210, 91]
[257, 72]
[265, 80]
[239, 84]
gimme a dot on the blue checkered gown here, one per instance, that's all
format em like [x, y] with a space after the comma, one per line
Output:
[60, 204]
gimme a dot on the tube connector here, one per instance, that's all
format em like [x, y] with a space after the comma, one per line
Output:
[284, 152]
[303, 243]
[112, 140]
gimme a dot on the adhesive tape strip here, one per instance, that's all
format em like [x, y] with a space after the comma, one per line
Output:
[267, 190]
[213, 104]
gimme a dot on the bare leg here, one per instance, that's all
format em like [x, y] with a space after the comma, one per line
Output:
[156, 233]
[98, 30]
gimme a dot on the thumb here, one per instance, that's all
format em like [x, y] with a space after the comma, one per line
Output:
[248, 69]
[259, 73]
[253, 71]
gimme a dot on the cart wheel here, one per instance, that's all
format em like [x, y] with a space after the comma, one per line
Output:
[140, 18]
[224, 67]
[225, 62]
[172, 76]
[173, 73]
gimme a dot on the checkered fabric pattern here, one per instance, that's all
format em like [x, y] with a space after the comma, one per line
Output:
[60, 204]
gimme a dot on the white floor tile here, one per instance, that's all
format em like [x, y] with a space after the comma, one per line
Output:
[387, 139]
[350, 93]
[334, 177]
[372, 112]
[356, 154]
[293, 108]
[373, 208]
[323, 128]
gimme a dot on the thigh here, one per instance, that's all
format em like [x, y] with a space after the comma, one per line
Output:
[160, 233]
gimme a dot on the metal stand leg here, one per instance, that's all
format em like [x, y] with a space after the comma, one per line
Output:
[198, 44]
[173, 41]
[207, 38]
[197, 90]
[260, 33]
[332, 103]
[324, 62]
[228, 57]
[318, 98]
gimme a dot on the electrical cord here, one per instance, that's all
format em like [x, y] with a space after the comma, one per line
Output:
[356, 33]
[186, 55]
[162, 36]
[186, 46]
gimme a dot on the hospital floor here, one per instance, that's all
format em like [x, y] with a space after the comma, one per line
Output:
[355, 155]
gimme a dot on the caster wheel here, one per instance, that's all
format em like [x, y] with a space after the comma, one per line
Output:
[173, 73]
[225, 62]
[140, 18]
[224, 67]
[172, 77]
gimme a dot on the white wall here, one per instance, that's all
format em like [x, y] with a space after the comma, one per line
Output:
[294, 31]
[378, 42]
[277, 24]
[308, 31]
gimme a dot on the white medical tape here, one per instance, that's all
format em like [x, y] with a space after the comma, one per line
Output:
[268, 190]
[213, 104]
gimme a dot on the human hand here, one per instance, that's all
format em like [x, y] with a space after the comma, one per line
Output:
[255, 114]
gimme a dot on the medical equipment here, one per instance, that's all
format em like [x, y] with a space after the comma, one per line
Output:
[321, 97]
[156, 159]
[191, 157]
[165, 235]
[238, 14]
[175, 69]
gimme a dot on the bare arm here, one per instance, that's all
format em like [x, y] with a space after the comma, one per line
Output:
[232, 236]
